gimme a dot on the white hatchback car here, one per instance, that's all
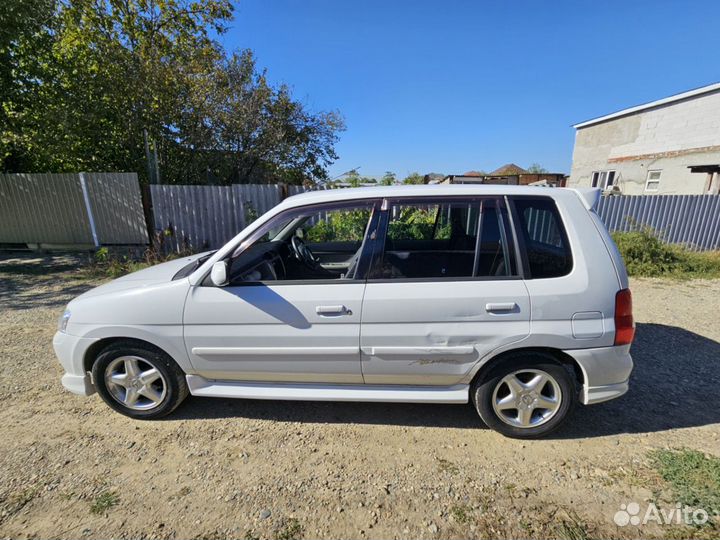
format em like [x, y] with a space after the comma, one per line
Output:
[513, 298]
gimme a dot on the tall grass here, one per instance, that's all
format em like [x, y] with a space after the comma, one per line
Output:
[646, 255]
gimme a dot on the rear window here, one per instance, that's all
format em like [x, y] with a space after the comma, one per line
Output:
[544, 237]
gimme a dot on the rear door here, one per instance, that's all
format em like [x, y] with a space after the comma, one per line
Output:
[443, 291]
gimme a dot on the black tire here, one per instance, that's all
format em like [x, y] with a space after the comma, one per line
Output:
[484, 387]
[175, 388]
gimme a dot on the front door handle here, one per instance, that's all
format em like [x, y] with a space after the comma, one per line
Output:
[500, 306]
[332, 311]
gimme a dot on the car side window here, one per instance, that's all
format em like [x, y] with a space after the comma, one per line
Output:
[444, 240]
[494, 258]
[545, 239]
[320, 243]
[338, 225]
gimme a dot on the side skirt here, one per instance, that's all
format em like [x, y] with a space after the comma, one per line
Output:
[200, 386]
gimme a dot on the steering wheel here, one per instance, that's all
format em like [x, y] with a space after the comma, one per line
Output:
[303, 253]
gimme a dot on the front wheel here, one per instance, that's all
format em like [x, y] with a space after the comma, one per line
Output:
[526, 396]
[139, 381]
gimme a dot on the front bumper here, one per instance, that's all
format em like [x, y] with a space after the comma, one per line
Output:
[71, 350]
[606, 372]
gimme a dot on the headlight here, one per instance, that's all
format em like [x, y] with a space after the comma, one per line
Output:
[63, 321]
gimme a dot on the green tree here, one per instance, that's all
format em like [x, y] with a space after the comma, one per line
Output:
[243, 130]
[118, 84]
[353, 178]
[388, 179]
[21, 29]
[108, 75]
[414, 178]
[536, 168]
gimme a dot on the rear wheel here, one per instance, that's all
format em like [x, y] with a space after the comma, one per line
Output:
[139, 381]
[526, 396]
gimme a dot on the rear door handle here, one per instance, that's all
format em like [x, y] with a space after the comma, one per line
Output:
[500, 306]
[330, 311]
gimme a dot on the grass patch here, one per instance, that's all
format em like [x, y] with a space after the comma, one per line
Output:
[447, 466]
[646, 255]
[104, 502]
[693, 477]
[571, 530]
[460, 513]
[21, 498]
[291, 530]
[108, 264]
[684, 533]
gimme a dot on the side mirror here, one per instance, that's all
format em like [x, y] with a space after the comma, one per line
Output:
[218, 274]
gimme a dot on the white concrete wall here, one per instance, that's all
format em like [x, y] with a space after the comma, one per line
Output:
[667, 138]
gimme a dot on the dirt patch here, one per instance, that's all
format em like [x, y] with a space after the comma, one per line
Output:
[70, 467]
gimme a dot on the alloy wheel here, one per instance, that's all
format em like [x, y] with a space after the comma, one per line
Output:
[526, 398]
[135, 383]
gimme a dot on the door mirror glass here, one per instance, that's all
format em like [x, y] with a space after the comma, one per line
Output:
[218, 274]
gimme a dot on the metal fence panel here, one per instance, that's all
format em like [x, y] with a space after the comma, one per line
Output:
[259, 197]
[43, 208]
[53, 209]
[208, 216]
[197, 217]
[117, 208]
[692, 220]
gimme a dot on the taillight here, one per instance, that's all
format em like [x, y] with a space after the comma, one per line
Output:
[624, 323]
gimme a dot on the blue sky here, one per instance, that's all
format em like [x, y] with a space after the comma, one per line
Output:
[453, 86]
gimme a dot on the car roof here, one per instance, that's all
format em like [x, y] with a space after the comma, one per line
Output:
[434, 190]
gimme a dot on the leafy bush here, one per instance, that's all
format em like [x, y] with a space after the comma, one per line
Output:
[646, 255]
[344, 226]
[417, 223]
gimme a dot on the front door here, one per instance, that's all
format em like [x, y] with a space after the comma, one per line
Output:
[443, 292]
[287, 314]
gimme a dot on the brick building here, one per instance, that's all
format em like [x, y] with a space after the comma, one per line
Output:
[669, 146]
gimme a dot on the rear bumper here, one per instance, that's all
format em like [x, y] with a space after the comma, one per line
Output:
[71, 350]
[597, 394]
[606, 372]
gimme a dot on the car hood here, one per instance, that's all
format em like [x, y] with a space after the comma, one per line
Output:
[159, 273]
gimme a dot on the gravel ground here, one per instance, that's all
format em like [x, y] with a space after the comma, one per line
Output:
[70, 467]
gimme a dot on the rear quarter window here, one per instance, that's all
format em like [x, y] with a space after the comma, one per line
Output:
[543, 237]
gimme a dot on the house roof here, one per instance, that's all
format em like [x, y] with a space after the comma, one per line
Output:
[472, 173]
[705, 168]
[664, 101]
[508, 170]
